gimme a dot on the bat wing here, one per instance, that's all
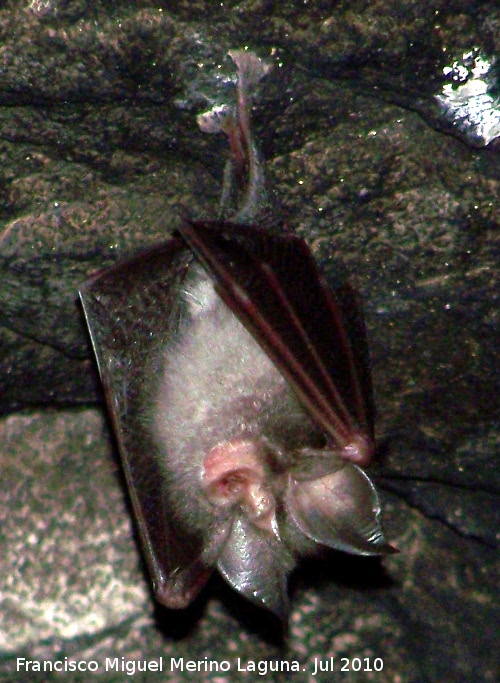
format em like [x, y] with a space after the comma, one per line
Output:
[315, 337]
[127, 332]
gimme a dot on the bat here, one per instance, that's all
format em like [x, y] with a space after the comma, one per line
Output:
[238, 385]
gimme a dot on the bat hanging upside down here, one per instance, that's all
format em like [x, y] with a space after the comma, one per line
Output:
[239, 390]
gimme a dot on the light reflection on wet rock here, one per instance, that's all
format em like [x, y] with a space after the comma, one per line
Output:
[469, 98]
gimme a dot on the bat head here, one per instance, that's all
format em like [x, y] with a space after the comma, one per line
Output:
[280, 514]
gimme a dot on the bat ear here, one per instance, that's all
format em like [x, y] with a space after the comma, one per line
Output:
[340, 510]
[256, 565]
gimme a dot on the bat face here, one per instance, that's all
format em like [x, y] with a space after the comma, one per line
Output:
[238, 386]
[240, 407]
